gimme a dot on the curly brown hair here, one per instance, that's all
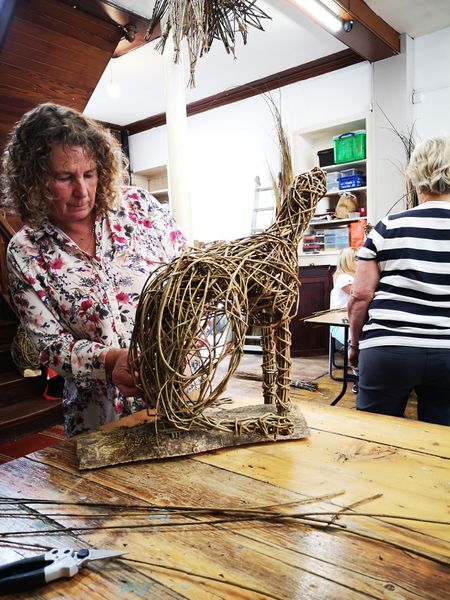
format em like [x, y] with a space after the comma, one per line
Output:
[26, 159]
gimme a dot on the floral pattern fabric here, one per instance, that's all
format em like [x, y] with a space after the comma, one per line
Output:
[75, 307]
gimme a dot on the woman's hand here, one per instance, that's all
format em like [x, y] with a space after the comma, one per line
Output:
[353, 356]
[116, 365]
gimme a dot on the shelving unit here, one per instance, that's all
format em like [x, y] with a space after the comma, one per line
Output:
[306, 146]
[343, 166]
[334, 222]
[155, 181]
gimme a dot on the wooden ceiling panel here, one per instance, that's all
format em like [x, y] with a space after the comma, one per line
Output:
[71, 22]
[36, 86]
[21, 66]
[52, 52]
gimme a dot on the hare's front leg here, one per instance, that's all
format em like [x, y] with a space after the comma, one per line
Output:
[269, 367]
[283, 364]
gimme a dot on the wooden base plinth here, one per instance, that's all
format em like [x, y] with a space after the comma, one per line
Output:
[142, 442]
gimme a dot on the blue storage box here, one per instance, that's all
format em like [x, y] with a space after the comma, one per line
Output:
[347, 183]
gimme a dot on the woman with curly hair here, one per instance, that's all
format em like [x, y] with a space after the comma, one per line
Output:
[78, 265]
[399, 310]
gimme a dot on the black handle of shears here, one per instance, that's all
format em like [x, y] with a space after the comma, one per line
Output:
[24, 574]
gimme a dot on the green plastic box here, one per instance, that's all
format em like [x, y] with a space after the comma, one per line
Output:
[349, 146]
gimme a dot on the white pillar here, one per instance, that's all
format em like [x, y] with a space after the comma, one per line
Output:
[178, 168]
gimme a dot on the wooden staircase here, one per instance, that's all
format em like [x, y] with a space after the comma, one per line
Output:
[23, 409]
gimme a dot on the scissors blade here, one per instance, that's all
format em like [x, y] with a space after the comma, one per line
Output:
[72, 561]
[100, 554]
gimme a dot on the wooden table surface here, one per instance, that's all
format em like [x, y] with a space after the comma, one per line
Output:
[332, 317]
[359, 454]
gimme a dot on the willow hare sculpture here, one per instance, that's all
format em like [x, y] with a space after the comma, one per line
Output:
[194, 314]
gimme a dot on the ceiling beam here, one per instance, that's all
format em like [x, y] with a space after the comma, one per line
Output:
[370, 37]
[314, 68]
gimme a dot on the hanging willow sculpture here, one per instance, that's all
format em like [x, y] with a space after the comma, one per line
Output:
[200, 22]
[194, 313]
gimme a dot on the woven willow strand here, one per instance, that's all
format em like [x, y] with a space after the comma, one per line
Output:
[194, 313]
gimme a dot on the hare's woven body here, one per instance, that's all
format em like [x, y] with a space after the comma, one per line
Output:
[224, 289]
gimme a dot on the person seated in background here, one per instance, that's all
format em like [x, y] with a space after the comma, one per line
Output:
[399, 309]
[77, 267]
[340, 294]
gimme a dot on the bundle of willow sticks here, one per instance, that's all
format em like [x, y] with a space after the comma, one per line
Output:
[200, 22]
[188, 517]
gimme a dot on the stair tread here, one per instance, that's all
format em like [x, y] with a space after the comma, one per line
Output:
[13, 376]
[15, 388]
[27, 410]
[8, 330]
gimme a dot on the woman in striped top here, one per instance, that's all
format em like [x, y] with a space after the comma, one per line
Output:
[399, 310]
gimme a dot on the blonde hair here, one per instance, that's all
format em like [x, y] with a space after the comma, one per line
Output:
[429, 167]
[26, 159]
[346, 262]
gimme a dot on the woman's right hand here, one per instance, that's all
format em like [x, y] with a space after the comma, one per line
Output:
[353, 356]
[116, 365]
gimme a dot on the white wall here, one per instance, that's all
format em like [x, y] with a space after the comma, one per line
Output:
[412, 91]
[148, 149]
[231, 145]
[392, 109]
[432, 83]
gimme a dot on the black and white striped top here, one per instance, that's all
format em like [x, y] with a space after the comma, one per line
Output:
[411, 305]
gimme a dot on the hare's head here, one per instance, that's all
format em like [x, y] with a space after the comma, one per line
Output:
[301, 200]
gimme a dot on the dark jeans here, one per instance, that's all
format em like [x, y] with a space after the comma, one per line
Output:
[388, 374]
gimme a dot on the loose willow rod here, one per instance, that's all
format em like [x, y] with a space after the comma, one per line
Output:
[228, 582]
[297, 517]
[164, 525]
[138, 510]
[311, 522]
[257, 517]
[173, 507]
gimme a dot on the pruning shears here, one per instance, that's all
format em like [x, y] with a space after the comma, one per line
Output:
[35, 571]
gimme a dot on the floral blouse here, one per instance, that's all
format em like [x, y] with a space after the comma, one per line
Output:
[75, 307]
